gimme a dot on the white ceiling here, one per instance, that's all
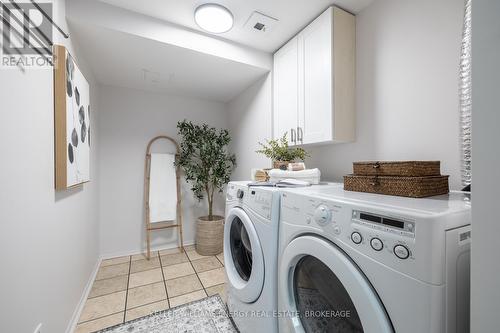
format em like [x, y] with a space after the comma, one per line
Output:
[118, 59]
[119, 39]
[293, 15]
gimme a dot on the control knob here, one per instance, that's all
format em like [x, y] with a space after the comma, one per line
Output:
[356, 237]
[376, 244]
[401, 251]
[240, 193]
[322, 215]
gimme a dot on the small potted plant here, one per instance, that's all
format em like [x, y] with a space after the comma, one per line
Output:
[280, 154]
[207, 164]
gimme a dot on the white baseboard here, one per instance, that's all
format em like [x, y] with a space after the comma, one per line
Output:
[76, 314]
[132, 252]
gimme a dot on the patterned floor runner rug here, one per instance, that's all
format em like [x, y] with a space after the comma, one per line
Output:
[208, 315]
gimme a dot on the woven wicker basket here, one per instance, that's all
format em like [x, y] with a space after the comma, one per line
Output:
[282, 165]
[209, 236]
[398, 168]
[414, 187]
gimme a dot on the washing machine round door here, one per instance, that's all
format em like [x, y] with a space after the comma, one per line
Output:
[325, 291]
[243, 256]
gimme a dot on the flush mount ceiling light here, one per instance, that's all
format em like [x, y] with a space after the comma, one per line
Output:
[213, 18]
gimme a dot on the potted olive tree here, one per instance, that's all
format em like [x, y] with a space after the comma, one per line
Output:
[207, 164]
[280, 153]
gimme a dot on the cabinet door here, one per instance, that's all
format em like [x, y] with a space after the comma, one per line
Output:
[285, 82]
[316, 91]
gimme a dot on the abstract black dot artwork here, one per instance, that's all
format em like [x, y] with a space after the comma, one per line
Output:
[83, 132]
[77, 96]
[70, 153]
[81, 114]
[70, 67]
[88, 140]
[70, 70]
[74, 138]
[72, 121]
[69, 88]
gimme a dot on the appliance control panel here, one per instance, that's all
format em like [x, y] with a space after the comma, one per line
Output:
[406, 239]
[260, 197]
[388, 237]
[258, 200]
[396, 226]
[392, 234]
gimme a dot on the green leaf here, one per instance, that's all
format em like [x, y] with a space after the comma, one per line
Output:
[278, 150]
[205, 159]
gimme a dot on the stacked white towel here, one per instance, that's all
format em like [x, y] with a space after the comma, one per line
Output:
[309, 175]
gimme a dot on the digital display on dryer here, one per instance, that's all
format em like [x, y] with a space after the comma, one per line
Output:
[379, 219]
[369, 217]
[394, 223]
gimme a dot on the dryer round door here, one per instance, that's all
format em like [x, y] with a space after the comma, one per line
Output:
[325, 291]
[243, 256]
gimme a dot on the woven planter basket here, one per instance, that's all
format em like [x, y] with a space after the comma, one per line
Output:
[414, 187]
[209, 235]
[397, 168]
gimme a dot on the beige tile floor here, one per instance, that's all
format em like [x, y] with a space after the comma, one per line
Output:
[130, 287]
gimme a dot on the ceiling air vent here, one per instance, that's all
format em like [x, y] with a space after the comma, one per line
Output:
[259, 26]
[260, 23]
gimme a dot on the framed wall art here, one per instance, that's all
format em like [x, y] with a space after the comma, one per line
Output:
[71, 121]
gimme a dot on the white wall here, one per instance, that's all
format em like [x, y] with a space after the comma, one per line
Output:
[485, 269]
[250, 117]
[48, 240]
[128, 120]
[406, 95]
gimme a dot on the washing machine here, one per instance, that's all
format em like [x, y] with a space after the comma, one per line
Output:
[251, 256]
[360, 262]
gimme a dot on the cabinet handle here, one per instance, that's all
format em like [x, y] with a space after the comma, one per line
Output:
[300, 134]
[292, 136]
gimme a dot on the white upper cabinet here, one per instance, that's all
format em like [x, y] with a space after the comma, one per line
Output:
[314, 82]
[285, 81]
[315, 118]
